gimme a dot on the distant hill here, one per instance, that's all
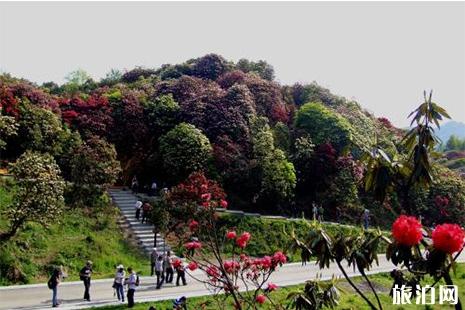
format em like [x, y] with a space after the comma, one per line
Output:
[451, 128]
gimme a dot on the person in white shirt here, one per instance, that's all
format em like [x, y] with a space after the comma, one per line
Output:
[132, 282]
[119, 282]
[138, 206]
[153, 189]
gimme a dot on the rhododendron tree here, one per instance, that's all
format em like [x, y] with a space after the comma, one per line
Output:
[234, 277]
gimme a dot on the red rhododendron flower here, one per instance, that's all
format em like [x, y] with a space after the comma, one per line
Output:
[177, 263]
[279, 258]
[206, 196]
[193, 225]
[213, 272]
[243, 239]
[205, 204]
[223, 203]
[193, 245]
[406, 230]
[261, 299]
[192, 266]
[271, 287]
[448, 238]
[231, 266]
[231, 234]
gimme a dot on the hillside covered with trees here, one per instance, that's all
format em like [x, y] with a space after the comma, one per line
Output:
[273, 148]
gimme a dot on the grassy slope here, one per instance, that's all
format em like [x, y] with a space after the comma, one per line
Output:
[269, 235]
[80, 235]
[349, 299]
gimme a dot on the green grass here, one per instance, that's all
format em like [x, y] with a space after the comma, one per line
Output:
[349, 299]
[78, 235]
[271, 235]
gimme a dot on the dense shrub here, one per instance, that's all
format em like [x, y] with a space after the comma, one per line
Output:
[184, 149]
[324, 125]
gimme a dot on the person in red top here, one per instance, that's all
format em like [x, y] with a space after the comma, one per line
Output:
[146, 209]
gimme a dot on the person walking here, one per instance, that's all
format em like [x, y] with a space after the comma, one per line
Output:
[135, 185]
[132, 283]
[85, 276]
[159, 271]
[168, 266]
[314, 211]
[138, 206]
[153, 259]
[119, 282]
[146, 209]
[53, 283]
[180, 273]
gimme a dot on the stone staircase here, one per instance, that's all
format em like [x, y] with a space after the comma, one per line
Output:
[142, 233]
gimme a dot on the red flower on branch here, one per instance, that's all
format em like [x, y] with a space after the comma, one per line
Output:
[192, 266]
[279, 258]
[271, 287]
[213, 272]
[406, 230]
[223, 203]
[193, 225]
[193, 245]
[261, 299]
[448, 238]
[231, 235]
[243, 239]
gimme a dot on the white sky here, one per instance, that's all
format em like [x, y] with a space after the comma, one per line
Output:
[381, 54]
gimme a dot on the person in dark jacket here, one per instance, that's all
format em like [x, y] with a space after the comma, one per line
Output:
[53, 283]
[85, 275]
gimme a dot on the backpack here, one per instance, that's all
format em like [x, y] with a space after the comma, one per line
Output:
[137, 280]
[50, 284]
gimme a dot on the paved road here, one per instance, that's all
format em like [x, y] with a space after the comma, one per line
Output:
[38, 296]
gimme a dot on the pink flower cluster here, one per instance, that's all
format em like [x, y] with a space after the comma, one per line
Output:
[242, 240]
[193, 245]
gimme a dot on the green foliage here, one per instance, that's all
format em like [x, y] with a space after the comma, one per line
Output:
[447, 184]
[421, 139]
[281, 136]
[323, 125]
[261, 67]
[80, 235]
[38, 195]
[162, 114]
[315, 295]
[454, 143]
[78, 77]
[8, 128]
[184, 149]
[41, 130]
[93, 167]
[278, 174]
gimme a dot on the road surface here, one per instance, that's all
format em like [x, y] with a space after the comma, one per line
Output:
[38, 296]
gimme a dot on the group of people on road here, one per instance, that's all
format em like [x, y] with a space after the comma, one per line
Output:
[163, 265]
